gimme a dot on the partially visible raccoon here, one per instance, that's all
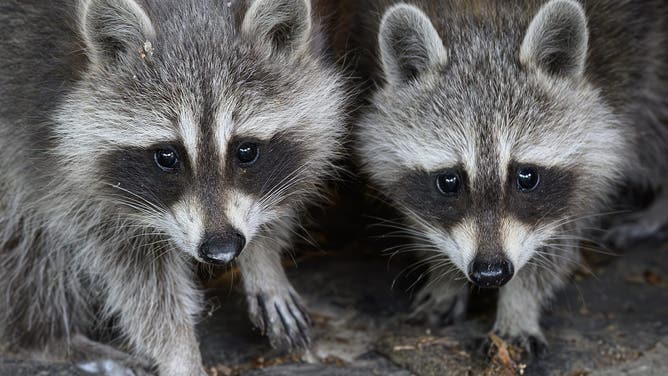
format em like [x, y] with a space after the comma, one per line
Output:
[501, 128]
[139, 136]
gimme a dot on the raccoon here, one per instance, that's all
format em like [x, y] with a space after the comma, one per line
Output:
[141, 138]
[501, 129]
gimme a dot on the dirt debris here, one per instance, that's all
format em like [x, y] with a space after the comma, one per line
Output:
[257, 363]
[648, 277]
[505, 358]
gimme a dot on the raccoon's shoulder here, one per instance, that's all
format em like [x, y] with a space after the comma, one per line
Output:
[40, 54]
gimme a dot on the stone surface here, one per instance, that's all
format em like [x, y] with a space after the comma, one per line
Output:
[653, 362]
[612, 321]
[13, 367]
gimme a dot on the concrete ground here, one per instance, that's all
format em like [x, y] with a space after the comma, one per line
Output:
[612, 321]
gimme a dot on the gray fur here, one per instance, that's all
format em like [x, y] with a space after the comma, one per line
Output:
[84, 86]
[557, 39]
[408, 43]
[576, 88]
[291, 19]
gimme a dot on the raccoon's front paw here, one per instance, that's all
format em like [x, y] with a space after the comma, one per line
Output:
[534, 346]
[439, 308]
[531, 346]
[282, 317]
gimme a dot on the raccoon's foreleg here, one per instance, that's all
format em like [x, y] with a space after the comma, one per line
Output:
[155, 302]
[520, 305]
[442, 301]
[273, 304]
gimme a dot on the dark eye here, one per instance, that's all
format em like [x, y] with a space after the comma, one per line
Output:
[527, 179]
[248, 153]
[167, 159]
[448, 183]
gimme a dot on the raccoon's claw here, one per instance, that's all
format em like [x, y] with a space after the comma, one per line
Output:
[283, 319]
[438, 310]
[538, 347]
[532, 346]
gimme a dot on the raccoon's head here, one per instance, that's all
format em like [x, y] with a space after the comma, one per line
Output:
[488, 136]
[202, 121]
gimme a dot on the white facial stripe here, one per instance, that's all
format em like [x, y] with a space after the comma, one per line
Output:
[413, 153]
[186, 225]
[108, 129]
[243, 214]
[565, 143]
[266, 126]
[189, 131]
[465, 235]
[505, 155]
[469, 159]
[431, 157]
[549, 153]
[518, 242]
[460, 245]
[266, 123]
[223, 133]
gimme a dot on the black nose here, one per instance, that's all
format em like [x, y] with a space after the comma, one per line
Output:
[491, 273]
[223, 248]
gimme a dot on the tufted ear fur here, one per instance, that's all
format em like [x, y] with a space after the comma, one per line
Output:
[283, 25]
[409, 44]
[113, 27]
[557, 40]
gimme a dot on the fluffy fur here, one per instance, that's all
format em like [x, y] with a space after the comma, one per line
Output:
[483, 89]
[91, 229]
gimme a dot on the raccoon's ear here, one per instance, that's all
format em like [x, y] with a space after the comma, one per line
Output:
[557, 39]
[284, 25]
[113, 27]
[409, 43]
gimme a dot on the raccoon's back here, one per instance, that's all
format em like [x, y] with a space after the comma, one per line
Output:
[40, 59]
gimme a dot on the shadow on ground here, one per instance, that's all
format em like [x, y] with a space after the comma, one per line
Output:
[612, 321]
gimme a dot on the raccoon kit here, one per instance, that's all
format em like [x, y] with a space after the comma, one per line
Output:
[500, 129]
[140, 136]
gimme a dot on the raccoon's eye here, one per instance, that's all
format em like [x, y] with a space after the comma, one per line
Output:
[448, 183]
[166, 159]
[527, 179]
[248, 153]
